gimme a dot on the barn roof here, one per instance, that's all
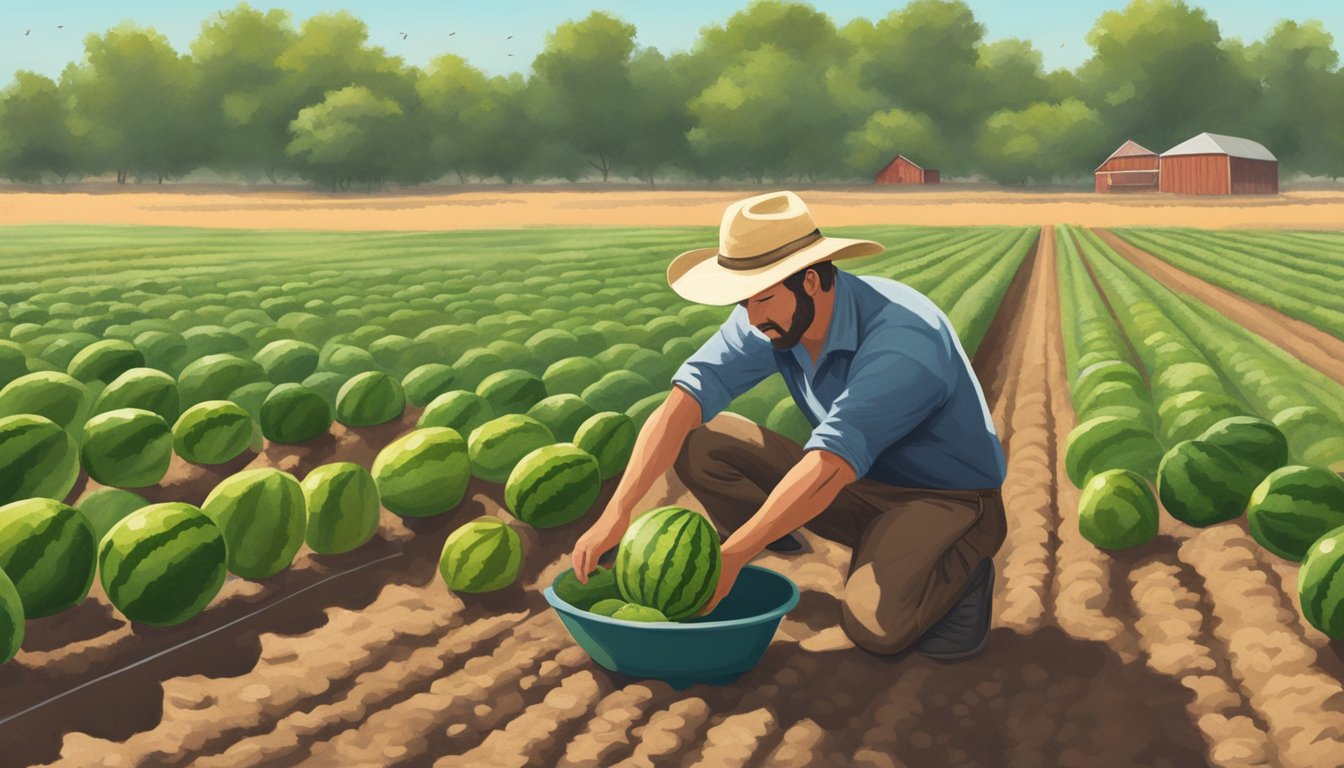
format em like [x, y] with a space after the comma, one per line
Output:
[1129, 149]
[906, 159]
[1216, 144]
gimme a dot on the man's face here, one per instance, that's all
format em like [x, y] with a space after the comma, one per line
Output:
[782, 315]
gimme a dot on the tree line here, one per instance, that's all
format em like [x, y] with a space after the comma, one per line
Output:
[778, 92]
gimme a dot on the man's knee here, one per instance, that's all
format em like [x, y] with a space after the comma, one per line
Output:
[885, 639]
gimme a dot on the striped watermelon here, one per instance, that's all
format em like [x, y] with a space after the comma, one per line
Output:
[346, 360]
[1105, 372]
[423, 473]
[162, 564]
[632, 612]
[610, 438]
[163, 350]
[37, 458]
[370, 398]
[13, 363]
[601, 586]
[287, 361]
[1116, 510]
[1202, 483]
[56, 396]
[669, 559]
[1256, 443]
[499, 444]
[1188, 415]
[1315, 436]
[459, 410]
[293, 413]
[607, 606]
[562, 414]
[213, 377]
[105, 507]
[1293, 507]
[343, 507]
[786, 419]
[553, 485]
[511, 391]
[571, 375]
[105, 360]
[127, 448]
[262, 515]
[326, 384]
[1109, 442]
[617, 391]
[212, 432]
[143, 388]
[427, 382]
[47, 548]
[481, 556]
[1320, 584]
[11, 619]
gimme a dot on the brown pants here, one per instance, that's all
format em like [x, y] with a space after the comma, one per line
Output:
[913, 548]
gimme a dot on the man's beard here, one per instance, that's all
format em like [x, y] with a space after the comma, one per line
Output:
[804, 310]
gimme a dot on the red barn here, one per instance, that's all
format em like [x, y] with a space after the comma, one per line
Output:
[903, 170]
[1210, 164]
[1131, 168]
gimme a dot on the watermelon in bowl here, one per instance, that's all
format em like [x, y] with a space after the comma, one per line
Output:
[714, 649]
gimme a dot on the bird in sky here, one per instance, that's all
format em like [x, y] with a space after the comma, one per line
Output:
[403, 35]
[1061, 45]
[27, 32]
[450, 34]
[60, 26]
[510, 37]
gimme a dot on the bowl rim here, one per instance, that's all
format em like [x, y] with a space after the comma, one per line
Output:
[774, 614]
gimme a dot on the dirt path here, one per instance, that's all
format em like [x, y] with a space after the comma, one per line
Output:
[1303, 340]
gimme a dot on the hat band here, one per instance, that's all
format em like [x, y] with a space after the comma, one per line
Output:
[771, 256]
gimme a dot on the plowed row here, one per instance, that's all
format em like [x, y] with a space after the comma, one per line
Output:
[1185, 652]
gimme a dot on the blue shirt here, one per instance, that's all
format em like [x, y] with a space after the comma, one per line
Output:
[892, 393]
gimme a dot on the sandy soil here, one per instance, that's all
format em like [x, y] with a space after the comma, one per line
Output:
[1187, 651]
[503, 207]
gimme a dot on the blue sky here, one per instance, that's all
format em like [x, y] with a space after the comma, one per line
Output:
[1057, 27]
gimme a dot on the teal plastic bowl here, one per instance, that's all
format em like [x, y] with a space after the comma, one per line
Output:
[714, 649]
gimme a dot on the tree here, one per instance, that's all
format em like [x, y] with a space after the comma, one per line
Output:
[1041, 142]
[581, 90]
[656, 137]
[458, 101]
[133, 104]
[1010, 75]
[34, 138]
[353, 136]
[1301, 108]
[887, 134]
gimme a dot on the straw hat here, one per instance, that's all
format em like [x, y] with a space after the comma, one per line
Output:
[762, 240]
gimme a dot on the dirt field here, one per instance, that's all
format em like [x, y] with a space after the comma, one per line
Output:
[1187, 651]
[503, 207]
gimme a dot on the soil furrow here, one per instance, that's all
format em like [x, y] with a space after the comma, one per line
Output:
[603, 736]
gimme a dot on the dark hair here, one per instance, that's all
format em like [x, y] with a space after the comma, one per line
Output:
[824, 269]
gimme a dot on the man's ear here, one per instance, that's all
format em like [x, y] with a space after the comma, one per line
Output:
[812, 282]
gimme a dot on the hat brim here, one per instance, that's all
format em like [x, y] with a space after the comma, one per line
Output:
[697, 276]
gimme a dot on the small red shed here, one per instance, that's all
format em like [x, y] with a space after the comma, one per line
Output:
[1210, 164]
[1131, 168]
[903, 170]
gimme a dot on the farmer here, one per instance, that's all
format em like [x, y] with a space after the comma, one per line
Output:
[903, 464]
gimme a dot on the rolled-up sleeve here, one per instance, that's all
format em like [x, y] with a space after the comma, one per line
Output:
[895, 382]
[730, 362]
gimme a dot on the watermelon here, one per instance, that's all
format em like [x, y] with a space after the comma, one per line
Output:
[427, 382]
[1293, 507]
[1257, 444]
[1202, 483]
[1108, 442]
[293, 413]
[47, 549]
[56, 396]
[511, 391]
[1186, 377]
[162, 564]
[498, 445]
[326, 384]
[608, 606]
[610, 438]
[632, 612]
[370, 398]
[1320, 584]
[481, 556]
[669, 559]
[213, 340]
[475, 364]
[343, 507]
[617, 391]
[459, 410]
[163, 350]
[1315, 436]
[1116, 510]
[11, 619]
[562, 414]
[262, 515]
[127, 448]
[553, 485]
[423, 473]
[786, 419]
[37, 458]
[105, 360]
[613, 357]
[144, 388]
[554, 344]
[105, 507]
[601, 586]
[212, 432]
[13, 362]
[214, 377]
[571, 375]
[287, 361]
[1188, 415]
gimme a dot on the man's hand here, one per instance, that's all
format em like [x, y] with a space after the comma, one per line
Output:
[732, 566]
[602, 536]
